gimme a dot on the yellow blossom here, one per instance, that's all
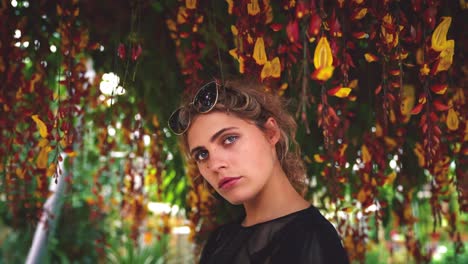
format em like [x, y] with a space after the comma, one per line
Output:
[276, 67]
[425, 69]
[259, 53]
[365, 154]
[452, 120]
[181, 15]
[234, 30]
[230, 6]
[191, 4]
[439, 36]
[323, 55]
[40, 125]
[253, 8]
[43, 157]
[446, 56]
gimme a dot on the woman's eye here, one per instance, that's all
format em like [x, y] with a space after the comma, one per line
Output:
[230, 139]
[201, 155]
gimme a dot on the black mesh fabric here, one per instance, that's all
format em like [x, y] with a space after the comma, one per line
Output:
[301, 237]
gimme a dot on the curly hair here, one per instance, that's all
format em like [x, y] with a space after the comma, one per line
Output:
[250, 100]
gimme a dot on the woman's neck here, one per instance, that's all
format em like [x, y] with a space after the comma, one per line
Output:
[277, 198]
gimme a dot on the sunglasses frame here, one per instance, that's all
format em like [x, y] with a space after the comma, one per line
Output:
[195, 103]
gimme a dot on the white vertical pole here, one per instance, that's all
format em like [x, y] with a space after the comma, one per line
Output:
[51, 208]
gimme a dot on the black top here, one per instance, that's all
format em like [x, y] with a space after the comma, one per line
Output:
[304, 236]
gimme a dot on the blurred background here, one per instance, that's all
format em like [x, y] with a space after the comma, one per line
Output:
[90, 173]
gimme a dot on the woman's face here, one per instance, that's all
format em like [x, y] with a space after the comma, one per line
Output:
[233, 155]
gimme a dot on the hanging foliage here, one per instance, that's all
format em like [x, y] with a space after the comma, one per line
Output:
[378, 88]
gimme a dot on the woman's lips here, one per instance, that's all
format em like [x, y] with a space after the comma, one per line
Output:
[228, 182]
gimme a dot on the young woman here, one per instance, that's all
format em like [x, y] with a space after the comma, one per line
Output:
[240, 136]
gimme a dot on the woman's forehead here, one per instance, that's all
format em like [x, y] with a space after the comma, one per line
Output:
[204, 126]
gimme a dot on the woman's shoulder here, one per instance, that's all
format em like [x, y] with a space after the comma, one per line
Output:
[314, 238]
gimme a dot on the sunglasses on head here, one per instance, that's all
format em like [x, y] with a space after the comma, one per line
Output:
[203, 101]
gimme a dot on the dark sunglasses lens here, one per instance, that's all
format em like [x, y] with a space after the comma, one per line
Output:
[206, 98]
[178, 122]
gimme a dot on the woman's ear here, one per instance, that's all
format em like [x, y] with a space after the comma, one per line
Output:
[272, 130]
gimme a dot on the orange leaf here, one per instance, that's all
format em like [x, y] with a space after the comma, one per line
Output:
[370, 57]
[323, 74]
[191, 4]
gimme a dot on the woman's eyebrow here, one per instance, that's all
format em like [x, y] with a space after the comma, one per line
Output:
[213, 138]
[221, 131]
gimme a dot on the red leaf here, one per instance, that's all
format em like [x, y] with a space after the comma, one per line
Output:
[121, 51]
[439, 88]
[439, 106]
[136, 52]
[379, 88]
[417, 109]
[276, 27]
[314, 24]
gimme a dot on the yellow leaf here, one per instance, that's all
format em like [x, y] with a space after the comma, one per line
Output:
[407, 102]
[361, 13]
[43, 142]
[171, 25]
[390, 178]
[378, 130]
[241, 64]
[230, 6]
[52, 169]
[390, 142]
[182, 15]
[269, 12]
[275, 68]
[452, 120]
[343, 149]
[234, 30]
[319, 158]
[233, 53]
[40, 125]
[362, 195]
[366, 156]
[259, 53]
[253, 8]
[425, 69]
[43, 158]
[20, 173]
[323, 56]
[249, 39]
[370, 57]
[266, 71]
[191, 4]
[340, 92]
[439, 36]
[446, 57]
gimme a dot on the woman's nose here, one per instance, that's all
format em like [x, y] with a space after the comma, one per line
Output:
[217, 160]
